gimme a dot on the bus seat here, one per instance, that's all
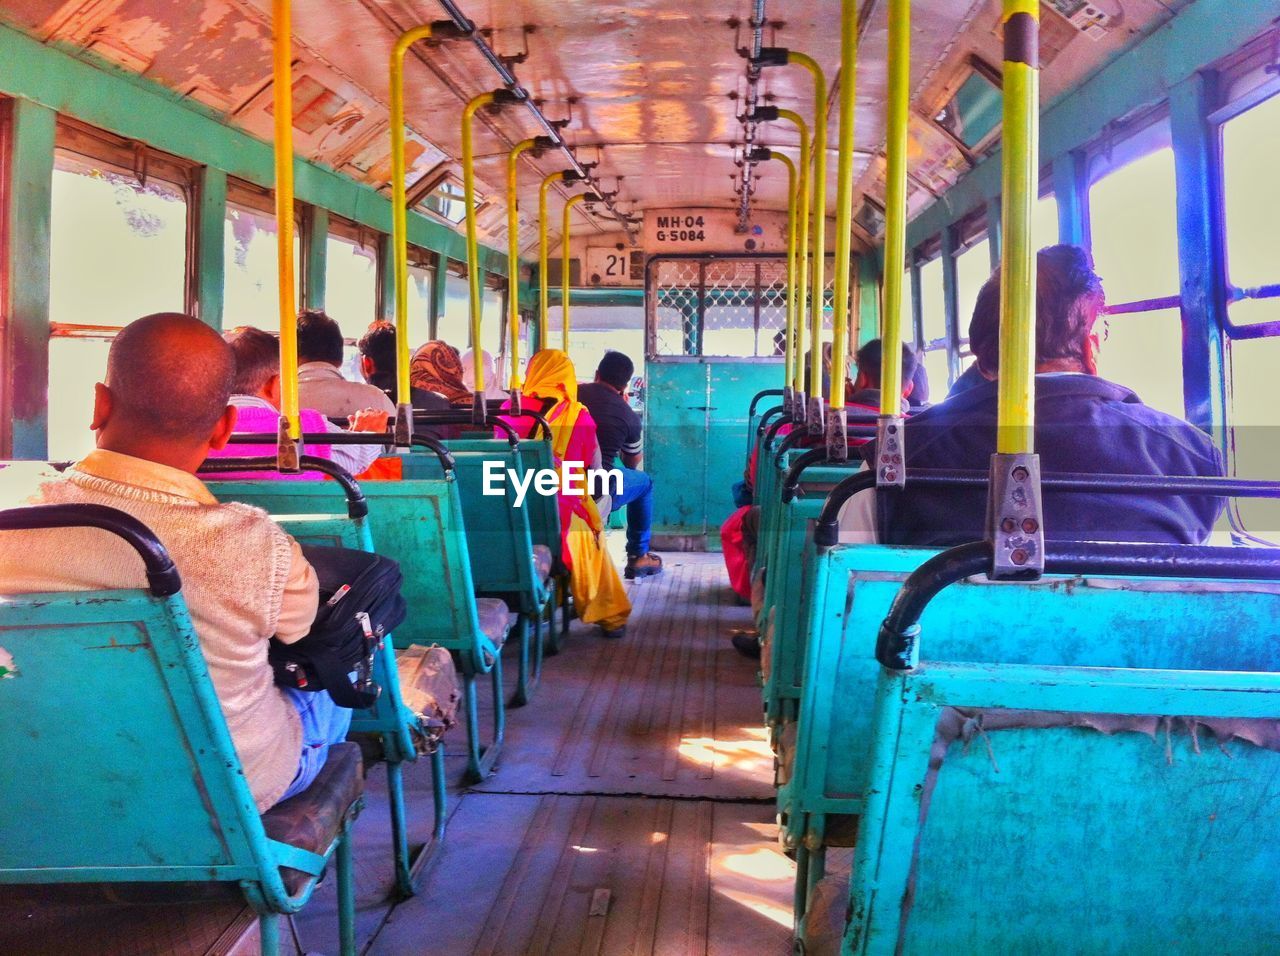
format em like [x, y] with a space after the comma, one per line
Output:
[112, 699]
[544, 530]
[1076, 781]
[418, 523]
[401, 732]
[499, 542]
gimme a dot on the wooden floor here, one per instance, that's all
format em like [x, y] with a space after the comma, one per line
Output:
[631, 812]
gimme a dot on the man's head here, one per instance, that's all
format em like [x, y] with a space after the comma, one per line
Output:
[319, 338]
[615, 369]
[869, 359]
[1069, 298]
[169, 377]
[378, 352]
[257, 356]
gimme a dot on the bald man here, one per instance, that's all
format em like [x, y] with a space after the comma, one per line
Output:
[162, 409]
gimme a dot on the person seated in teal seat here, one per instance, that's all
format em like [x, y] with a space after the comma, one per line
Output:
[164, 406]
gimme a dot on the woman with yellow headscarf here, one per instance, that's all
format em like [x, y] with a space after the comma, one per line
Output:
[598, 593]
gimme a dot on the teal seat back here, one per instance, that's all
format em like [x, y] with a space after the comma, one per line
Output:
[498, 538]
[1163, 838]
[543, 510]
[119, 763]
[417, 523]
[1072, 622]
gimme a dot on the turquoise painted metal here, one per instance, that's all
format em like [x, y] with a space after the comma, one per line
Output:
[499, 543]
[695, 410]
[544, 529]
[419, 524]
[112, 701]
[1119, 645]
[389, 718]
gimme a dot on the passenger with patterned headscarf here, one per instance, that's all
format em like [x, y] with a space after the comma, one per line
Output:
[598, 592]
[436, 368]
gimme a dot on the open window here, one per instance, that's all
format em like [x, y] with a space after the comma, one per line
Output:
[119, 235]
[251, 278]
[1134, 233]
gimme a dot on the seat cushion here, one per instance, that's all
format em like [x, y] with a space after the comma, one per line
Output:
[313, 819]
[495, 619]
[542, 561]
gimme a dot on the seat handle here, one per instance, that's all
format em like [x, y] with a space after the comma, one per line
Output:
[162, 576]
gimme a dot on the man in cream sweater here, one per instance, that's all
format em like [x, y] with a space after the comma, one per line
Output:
[163, 407]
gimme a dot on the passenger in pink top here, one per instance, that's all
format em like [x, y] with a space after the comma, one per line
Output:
[257, 399]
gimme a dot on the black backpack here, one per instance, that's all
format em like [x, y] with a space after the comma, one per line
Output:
[360, 603]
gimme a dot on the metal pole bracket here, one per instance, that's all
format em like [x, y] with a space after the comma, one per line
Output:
[837, 435]
[816, 415]
[286, 449]
[1015, 517]
[402, 435]
[891, 452]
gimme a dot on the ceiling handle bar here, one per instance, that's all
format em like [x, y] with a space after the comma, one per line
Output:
[466, 29]
[536, 144]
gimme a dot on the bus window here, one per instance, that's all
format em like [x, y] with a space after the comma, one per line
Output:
[418, 307]
[1044, 223]
[973, 269]
[597, 329]
[1133, 217]
[1254, 451]
[493, 322]
[251, 288]
[350, 284]
[118, 252]
[455, 323]
[1251, 209]
[934, 315]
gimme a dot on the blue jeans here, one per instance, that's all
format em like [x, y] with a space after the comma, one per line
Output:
[637, 495]
[323, 723]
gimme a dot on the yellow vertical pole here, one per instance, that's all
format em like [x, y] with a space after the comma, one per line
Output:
[546, 184]
[837, 444]
[282, 96]
[802, 258]
[513, 264]
[818, 224]
[400, 232]
[473, 250]
[790, 355]
[1021, 147]
[564, 269]
[895, 234]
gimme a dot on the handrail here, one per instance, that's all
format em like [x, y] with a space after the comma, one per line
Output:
[357, 504]
[513, 262]
[814, 456]
[764, 154]
[399, 217]
[763, 425]
[282, 102]
[463, 417]
[805, 188]
[473, 247]
[543, 254]
[162, 575]
[763, 393]
[818, 225]
[897, 644]
[825, 533]
[351, 438]
[836, 441]
[895, 207]
[566, 223]
[1015, 426]
[858, 430]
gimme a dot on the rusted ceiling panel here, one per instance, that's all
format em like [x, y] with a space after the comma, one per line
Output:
[654, 87]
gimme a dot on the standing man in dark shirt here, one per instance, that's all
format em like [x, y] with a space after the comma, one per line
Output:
[619, 432]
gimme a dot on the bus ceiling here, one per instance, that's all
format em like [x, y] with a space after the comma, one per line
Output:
[655, 94]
